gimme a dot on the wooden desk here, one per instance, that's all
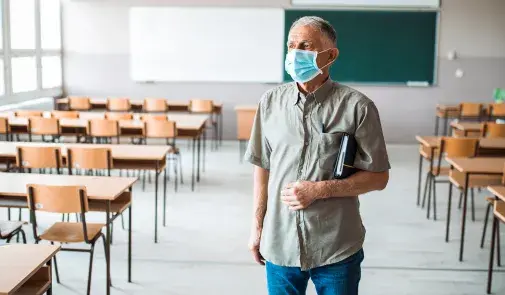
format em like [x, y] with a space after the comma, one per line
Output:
[134, 157]
[468, 167]
[100, 189]
[190, 126]
[245, 119]
[467, 127]
[445, 112]
[26, 269]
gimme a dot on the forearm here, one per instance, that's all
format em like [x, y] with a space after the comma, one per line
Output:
[260, 196]
[357, 184]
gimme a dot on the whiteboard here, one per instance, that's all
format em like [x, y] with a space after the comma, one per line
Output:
[206, 44]
[372, 3]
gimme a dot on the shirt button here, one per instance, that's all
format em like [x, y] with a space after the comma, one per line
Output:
[306, 143]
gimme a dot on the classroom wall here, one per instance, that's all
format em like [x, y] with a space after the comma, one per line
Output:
[96, 62]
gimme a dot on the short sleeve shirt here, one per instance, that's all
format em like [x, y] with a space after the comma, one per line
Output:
[297, 137]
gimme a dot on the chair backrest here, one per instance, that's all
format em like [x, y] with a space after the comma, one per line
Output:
[456, 147]
[65, 114]
[118, 116]
[27, 113]
[244, 124]
[79, 103]
[201, 106]
[493, 130]
[4, 125]
[89, 158]
[57, 199]
[43, 126]
[496, 110]
[155, 105]
[118, 104]
[38, 157]
[157, 117]
[470, 109]
[160, 129]
[103, 128]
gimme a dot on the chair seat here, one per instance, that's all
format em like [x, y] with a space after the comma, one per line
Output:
[9, 227]
[117, 206]
[426, 152]
[475, 181]
[71, 232]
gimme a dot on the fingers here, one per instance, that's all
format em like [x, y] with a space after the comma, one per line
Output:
[258, 258]
[296, 208]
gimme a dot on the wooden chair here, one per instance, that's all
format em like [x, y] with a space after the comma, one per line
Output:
[164, 129]
[5, 129]
[205, 106]
[65, 200]
[90, 159]
[450, 147]
[79, 103]
[155, 105]
[493, 130]
[38, 157]
[496, 111]
[10, 229]
[44, 127]
[469, 110]
[499, 217]
[103, 130]
[27, 113]
[65, 114]
[118, 104]
[245, 121]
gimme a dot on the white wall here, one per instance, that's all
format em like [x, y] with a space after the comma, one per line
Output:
[96, 62]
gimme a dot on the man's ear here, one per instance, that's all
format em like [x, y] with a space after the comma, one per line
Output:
[327, 57]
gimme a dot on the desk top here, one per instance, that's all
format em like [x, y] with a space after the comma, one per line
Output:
[467, 126]
[482, 165]
[447, 107]
[97, 187]
[19, 262]
[251, 108]
[428, 141]
[136, 102]
[498, 191]
[182, 121]
[486, 143]
[118, 151]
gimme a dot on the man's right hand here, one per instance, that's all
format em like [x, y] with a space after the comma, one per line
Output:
[254, 246]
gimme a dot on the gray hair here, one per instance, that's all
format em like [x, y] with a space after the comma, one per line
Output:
[319, 23]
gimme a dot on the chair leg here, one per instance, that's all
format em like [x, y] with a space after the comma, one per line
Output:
[176, 178]
[488, 208]
[460, 199]
[425, 189]
[498, 246]
[107, 258]
[473, 204]
[434, 199]
[180, 167]
[428, 211]
[143, 180]
[23, 235]
[92, 250]
[56, 268]
[122, 221]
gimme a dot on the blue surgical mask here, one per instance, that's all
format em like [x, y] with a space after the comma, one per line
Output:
[301, 65]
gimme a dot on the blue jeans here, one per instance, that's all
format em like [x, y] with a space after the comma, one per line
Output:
[340, 278]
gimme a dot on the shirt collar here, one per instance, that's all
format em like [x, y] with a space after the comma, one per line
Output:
[320, 94]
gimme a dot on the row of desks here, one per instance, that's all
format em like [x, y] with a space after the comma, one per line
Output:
[99, 189]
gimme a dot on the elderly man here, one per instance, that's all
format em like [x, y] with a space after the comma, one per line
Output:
[306, 223]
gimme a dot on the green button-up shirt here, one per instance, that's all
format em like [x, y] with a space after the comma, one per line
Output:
[297, 137]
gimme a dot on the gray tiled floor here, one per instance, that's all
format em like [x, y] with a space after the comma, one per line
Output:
[203, 248]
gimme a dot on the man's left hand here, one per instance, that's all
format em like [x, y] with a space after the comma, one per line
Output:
[299, 195]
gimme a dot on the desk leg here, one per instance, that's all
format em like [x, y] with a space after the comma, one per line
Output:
[198, 158]
[448, 213]
[445, 125]
[419, 179]
[165, 195]
[130, 238]
[204, 148]
[221, 127]
[193, 166]
[107, 245]
[463, 220]
[156, 203]
[491, 255]
[50, 289]
[437, 119]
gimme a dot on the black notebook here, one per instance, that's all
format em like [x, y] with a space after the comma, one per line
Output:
[344, 165]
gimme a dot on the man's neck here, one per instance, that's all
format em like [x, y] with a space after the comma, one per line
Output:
[313, 84]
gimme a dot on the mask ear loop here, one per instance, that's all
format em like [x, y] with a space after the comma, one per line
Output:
[315, 62]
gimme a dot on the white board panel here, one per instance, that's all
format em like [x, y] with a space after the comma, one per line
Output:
[206, 44]
[371, 3]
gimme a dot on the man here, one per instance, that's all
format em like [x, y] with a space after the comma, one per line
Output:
[308, 223]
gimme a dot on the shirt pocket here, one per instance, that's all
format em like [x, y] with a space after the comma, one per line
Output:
[327, 150]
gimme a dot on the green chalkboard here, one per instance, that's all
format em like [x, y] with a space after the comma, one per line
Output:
[386, 47]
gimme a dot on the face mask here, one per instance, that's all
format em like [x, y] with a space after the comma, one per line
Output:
[301, 65]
